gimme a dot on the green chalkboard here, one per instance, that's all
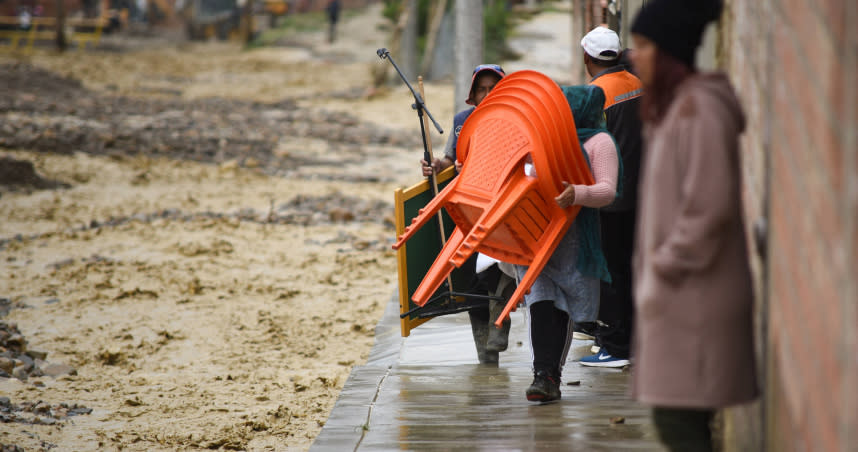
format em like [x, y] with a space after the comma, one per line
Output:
[417, 255]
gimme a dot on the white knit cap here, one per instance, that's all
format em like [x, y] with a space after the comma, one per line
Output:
[602, 44]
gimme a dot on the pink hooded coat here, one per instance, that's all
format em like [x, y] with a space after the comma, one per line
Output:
[693, 345]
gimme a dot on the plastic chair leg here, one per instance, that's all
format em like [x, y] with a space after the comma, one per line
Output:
[553, 234]
[426, 213]
[439, 270]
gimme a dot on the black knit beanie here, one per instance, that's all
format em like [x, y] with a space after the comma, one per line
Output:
[676, 26]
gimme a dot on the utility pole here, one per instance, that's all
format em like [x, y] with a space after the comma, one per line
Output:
[408, 52]
[62, 44]
[468, 47]
[432, 34]
[577, 17]
[246, 22]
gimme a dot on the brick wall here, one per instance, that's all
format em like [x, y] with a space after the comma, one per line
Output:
[794, 65]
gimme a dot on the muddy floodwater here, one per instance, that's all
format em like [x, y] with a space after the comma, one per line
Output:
[203, 251]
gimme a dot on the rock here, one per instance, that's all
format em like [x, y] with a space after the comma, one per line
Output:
[60, 264]
[111, 357]
[41, 408]
[76, 410]
[339, 214]
[16, 342]
[58, 369]
[18, 172]
[60, 412]
[44, 420]
[36, 354]
[23, 358]
[6, 365]
[229, 165]
[21, 373]
[251, 162]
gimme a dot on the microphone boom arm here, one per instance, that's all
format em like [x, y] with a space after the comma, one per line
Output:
[419, 105]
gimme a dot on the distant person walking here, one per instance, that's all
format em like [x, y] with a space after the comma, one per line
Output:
[333, 11]
[602, 58]
[24, 18]
[693, 344]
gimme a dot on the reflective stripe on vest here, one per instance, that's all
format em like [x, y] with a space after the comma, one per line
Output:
[628, 95]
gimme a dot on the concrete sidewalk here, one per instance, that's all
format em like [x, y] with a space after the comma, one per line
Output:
[428, 392]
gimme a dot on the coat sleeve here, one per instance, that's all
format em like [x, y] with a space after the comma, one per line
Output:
[605, 162]
[708, 189]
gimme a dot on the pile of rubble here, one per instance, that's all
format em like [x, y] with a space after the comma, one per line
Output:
[43, 111]
[39, 412]
[16, 361]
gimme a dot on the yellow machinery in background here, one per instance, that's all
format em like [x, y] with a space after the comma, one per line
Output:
[224, 19]
[275, 8]
[205, 19]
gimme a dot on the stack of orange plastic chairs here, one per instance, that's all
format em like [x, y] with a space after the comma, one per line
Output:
[498, 209]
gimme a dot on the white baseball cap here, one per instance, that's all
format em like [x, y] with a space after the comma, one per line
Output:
[602, 44]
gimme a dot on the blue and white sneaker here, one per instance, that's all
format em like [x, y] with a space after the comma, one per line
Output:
[603, 359]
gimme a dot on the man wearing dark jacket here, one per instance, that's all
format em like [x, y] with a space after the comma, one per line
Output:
[602, 57]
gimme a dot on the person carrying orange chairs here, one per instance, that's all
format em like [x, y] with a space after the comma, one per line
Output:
[488, 277]
[567, 289]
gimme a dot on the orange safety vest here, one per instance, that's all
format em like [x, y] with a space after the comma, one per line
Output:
[622, 103]
[618, 87]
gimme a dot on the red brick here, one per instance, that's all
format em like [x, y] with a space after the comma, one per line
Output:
[807, 31]
[823, 429]
[810, 115]
[803, 311]
[800, 89]
[821, 162]
[833, 14]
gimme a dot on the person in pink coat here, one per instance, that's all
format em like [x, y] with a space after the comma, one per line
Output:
[693, 336]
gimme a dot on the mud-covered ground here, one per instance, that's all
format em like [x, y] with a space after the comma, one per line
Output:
[200, 251]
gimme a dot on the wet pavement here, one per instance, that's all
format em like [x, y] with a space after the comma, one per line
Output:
[427, 392]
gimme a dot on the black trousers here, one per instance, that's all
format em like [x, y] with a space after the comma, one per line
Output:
[550, 336]
[684, 430]
[616, 306]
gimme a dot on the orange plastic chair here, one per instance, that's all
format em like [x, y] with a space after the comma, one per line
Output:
[497, 208]
[528, 89]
